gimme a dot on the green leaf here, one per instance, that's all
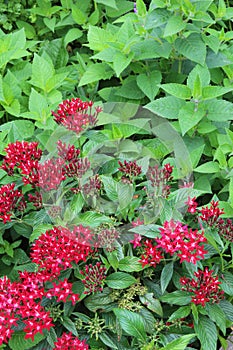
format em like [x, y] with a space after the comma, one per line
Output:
[227, 283]
[18, 341]
[104, 337]
[151, 303]
[42, 70]
[125, 194]
[183, 311]
[219, 110]
[121, 62]
[98, 38]
[78, 15]
[166, 107]
[151, 49]
[130, 89]
[69, 325]
[208, 168]
[192, 47]
[109, 3]
[174, 25]
[50, 23]
[96, 72]
[216, 314]
[120, 280]
[18, 130]
[178, 90]
[201, 72]
[189, 116]
[132, 323]
[130, 264]
[207, 333]
[166, 276]
[227, 307]
[110, 186]
[180, 343]
[92, 218]
[71, 35]
[99, 300]
[177, 298]
[210, 92]
[141, 8]
[148, 83]
[39, 230]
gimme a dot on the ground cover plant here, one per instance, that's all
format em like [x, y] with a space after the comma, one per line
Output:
[116, 197]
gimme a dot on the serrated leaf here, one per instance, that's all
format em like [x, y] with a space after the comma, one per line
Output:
[132, 323]
[130, 264]
[178, 90]
[207, 333]
[192, 47]
[166, 107]
[190, 116]
[98, 38]
[203, 74]
[180, 343]
[151, 303]
[96, 72]
[109, 3]
[121, 62]
[78, 15]
[166, 276]
[148, 83]
[219, 110]
[210, 92]
[42, 70]
[18, 130]
[174, 25]
[120, 280]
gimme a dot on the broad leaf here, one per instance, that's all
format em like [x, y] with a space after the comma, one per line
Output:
[166, 276]
[210, 92]
[131, 323]
[18, 341]
[208, 168]
[177, 298]
[96, 72]
[166, 107]
[178, 90]
[207, 333]
[148, 83]
[192, 47]
[151, 303]
[182, 312]
[219, 110]
[120, 280]
[180, 343]
[130, 264]
[174, 25]
[189, 116]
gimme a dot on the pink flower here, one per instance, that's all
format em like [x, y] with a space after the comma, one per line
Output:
[69, 342]
[63, 291]
[136, 241]
[152, 254]
[211, 214]
[204, 286]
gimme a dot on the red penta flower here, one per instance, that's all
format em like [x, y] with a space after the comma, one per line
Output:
[205, 287]
[63, 291]
[192, 205]
[211, 215]
[51, 174]
[69, 342]
[11, 200]
[130, 168]
[67, 152]
[76, 114]
[152, 254]
[177, 238]
[159, 179]
[23, 156]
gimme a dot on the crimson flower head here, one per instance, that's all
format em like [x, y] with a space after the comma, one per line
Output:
[192, 205]
[152, 255]
[51, 174]
[25, 156]
[204, 286]
[130, 168]
[62, 290]
[177, 238]
[94, 277]
[160, 178]
[76, 115]
[211, 215]
[67, 152]
[70, 342]
[11, 200]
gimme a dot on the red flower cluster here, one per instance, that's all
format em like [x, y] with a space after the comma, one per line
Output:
[56, 249]
[36, 199]
[19, 301]
[130, 168]
[159, 179]
[211, 215]
[92, 186]
[24, 156]
[225, 229]
[204, 286]
[76, 115]
[69, 342]
[179, 239]
[51, 174]
[67, 153]
[107, 239]
[192, 205]
[63, 291]
[11, 200]
[94, 277]
[152, 255]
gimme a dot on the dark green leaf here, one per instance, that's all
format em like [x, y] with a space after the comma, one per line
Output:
[166, 276]
[177, 298]
[131, 323]
[207, 333]
[192, 47]
[120, 280]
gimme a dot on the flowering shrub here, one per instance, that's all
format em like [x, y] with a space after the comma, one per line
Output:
[123, 253]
